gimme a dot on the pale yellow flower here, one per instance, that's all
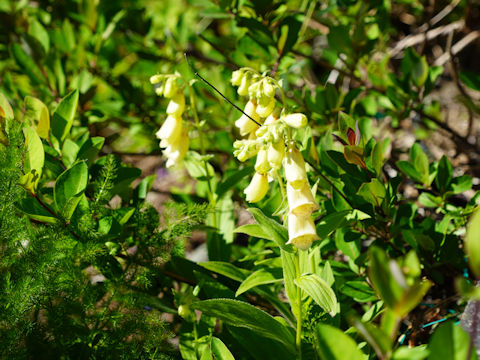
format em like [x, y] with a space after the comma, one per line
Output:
[176, 151]
[265, 109]
[245, 124]
[262, 165]
[294, 167]
[301, 231]
[301, 202]
[171, 129]
[176, 105]
[275, 154]
[297, 120]
[257, 189]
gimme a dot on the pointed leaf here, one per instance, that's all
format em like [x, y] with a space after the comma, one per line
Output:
[319, 291]
[260, 277]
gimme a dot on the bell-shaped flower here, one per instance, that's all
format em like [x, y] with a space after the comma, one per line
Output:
[237, 77]
[262, 166]
[244, 84]
[264, 109]
[275, 154]
[301, 231]
[171, 128]
[257, 189]
[294, 167]
[301, 202]
[297, 120]
[176, 105]
[272, 117]
[245, 124]
[176, 151]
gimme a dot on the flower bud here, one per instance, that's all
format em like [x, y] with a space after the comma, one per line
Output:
[301, 231]
[262, 165]
[268, 89]
[253, 89]
[155, 79]
[244, 85]
[171, 87]
[294, 167]
[176, 151]
[171, 128]
[176, 105]
[301, 202]
[257, 189]
[275, 154]
[265, 109]
[159, 90]
[237, 77]
[245, 124]
[272, 117]
[297, 120]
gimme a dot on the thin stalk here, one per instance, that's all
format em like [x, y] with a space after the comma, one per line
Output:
[282, 93]
[298, 339]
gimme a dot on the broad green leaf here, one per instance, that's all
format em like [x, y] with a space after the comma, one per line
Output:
[5, 108]
[62, 119]
[409, 170]
[378, 158]
[274, 230]
[37, 31]
[472, 243]
[90, 149]
[253, 230]
[420, 162]
[289, 275]
[34, 159]
[327, 273]
[69, 152]
[450, 342]
[471, 79]
[226, 269]
[333, 344]
[358, 291]
[220, 350]
[444, 174]
[319, 291]
[373, 192]
[241, 314]
[407, 353]
[36, 112]
[384, 283]
[68, 189]
[331, 222]
[260, 277]
[461, 184]
[35, 211]
[26, 63]
[420, 72]
[378, 340]
[411, 297]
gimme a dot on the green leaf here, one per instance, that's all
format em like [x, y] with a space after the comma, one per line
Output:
[373, 192]
[226, 269]
[333, 344]
[69, 152]
[68, 189]
[35, 211]
[419, 72]
[471, 79]
[36, 112]
[90, 149]
[331, 222]
[274, 230]
[241, 314]
[409, 170]
[63, 116]
[260, 277]
[411, 297]
[289, 275]
[461, 184]
[37, 31]
[444, 174]
[420, 162]
[384, 283]
[319, 291]
[233, 180]
[358, 291]
[220, 350]
[408, 353]
[376, 337]
[5, 108]
[26, 63]
[472, 243]
[253, 230]
[450, 342]
[34, 159]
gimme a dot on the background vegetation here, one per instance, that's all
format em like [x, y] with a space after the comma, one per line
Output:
[96, 263]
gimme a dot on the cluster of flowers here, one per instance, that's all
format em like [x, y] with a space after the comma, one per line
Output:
[266, 127]
[173, 135]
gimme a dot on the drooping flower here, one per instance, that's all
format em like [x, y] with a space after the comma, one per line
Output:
[264, 109]
[297, 120]
[257, 189]
[171, 87]
[176, 105]
[262, 165]
[294, 167]
[175, 151]
[244, 123]
[275, 154]
[301, 201]
[301, 231]
[171, 129]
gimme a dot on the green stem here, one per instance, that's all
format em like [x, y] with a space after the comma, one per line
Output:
[299, 308]
[282, 93]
